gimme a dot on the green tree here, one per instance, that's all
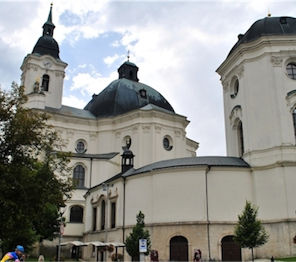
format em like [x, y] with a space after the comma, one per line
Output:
[31, 194]
[138, 232]
[249, 232]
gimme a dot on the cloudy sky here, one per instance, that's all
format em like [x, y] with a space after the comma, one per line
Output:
[177, 46]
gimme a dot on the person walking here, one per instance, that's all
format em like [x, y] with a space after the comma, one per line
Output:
[16, 255]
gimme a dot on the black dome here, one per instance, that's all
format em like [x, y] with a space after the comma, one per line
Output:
[124, 95]
[268, 26]
[46, 45]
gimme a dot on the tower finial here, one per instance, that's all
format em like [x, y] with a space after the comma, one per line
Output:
[269, 14]
[128, 55]
[48, 26]
[49, 19]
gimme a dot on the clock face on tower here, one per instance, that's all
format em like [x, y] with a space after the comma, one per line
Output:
[47, 63]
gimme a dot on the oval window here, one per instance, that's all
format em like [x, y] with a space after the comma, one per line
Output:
[234, 88]
[80, 146]
[167, 143]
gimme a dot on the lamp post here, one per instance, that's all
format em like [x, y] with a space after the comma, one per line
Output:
[106, 188]
[61, 232]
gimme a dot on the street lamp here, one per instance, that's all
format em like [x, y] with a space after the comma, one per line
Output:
[106, 188]
[61, 231]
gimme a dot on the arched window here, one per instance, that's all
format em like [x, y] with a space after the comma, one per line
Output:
[234, 87]
[291, 70]
[45, 82]
[294, 121]
[240, 137]
[113, 214]
[76, 214]
[94, 218]
[78, 176]
[103, 212]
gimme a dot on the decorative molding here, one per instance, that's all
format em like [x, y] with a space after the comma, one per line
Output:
[92, 136]
[236, 113]
[240, 71]
[146, 129]
[135, 128]
[276, 61]
[114, 195]
[157, 129]
[177, 133]
[70, 133]
[225, 84]
[95, 199]
[58, 73]
[291, 100]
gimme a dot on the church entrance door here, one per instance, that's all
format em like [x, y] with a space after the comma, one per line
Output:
[178, 249]
[231, 251]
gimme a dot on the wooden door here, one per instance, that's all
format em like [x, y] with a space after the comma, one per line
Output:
[231, 251]
[178, 249]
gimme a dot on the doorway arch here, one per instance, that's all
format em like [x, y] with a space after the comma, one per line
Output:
[178, 248]
[231, 251]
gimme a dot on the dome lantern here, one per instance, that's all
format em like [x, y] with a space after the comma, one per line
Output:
[129, 71]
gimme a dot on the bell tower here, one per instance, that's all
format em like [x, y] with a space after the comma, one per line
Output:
[43, 71]
[259, 90]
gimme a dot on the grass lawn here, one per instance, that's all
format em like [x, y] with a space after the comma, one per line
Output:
[286, 259]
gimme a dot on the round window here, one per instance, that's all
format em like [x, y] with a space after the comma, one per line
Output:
[167, 143]
[291, 70]
[80, 147]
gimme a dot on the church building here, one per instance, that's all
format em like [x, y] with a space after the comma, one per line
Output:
[130, 153]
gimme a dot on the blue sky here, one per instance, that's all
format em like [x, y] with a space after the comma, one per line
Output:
[177, 46]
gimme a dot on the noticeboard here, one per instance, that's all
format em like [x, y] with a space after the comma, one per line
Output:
[142, 245]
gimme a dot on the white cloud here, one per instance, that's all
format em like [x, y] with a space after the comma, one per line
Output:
[109, 60]
[73, 101]
[90, 84]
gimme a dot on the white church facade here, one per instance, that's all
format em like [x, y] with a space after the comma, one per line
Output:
[130, 152]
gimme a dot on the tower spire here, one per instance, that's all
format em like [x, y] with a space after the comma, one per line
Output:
[49, 19]
[48, 26]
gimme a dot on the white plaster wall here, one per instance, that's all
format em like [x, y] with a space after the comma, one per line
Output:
[228, 190]
[174, 195]
[33, 69]
[271, 193]
[289, 183]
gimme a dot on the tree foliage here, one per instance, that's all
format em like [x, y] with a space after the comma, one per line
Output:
[138, 232]
[249, 232]
[31, 193]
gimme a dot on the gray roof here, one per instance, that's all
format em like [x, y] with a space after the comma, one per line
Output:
[268, 26]
[124, 95]
[71, 111]
[218, 161]
[95, 156]
[210, 161]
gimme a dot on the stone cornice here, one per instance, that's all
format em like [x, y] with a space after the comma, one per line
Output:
[247, 48]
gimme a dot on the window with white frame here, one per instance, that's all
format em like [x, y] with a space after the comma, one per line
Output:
[78, 176]
[76, 214]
